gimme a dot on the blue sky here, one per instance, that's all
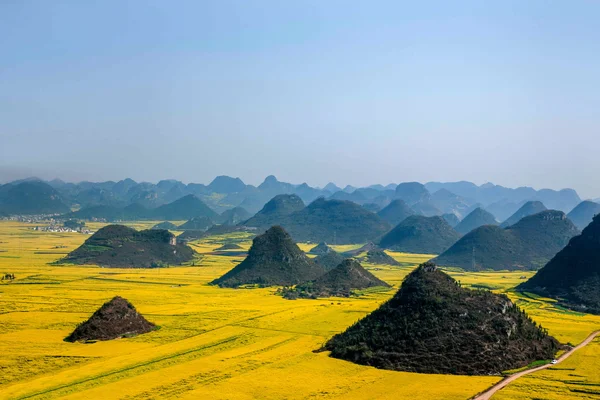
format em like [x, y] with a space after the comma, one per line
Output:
[316, 91]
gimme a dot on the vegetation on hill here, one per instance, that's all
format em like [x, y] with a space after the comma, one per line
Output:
[529, 208]
[335, 221]
[396, 212]
[116, 318]
[273, 259]
[339, 282]
[419, 234]
[119, 246]
[229, 246]
[475, 219]
[433, 325]
[573, 275]
[528, 244]
[584, 213]
[363, 249]
[380, 257]
[226, 184]
[31, 197]
[426, 208]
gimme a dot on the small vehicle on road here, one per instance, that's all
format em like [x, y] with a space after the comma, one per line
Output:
[554, 361]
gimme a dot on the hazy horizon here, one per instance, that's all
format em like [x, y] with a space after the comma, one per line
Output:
[311, 91]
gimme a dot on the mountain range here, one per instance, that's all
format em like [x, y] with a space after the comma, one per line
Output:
[34, 196]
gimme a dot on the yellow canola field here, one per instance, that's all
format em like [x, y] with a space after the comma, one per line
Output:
[212, 343]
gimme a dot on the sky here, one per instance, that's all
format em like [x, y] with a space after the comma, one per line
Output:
[354, 92]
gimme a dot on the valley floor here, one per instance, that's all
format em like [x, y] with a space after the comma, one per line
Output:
[227, 343]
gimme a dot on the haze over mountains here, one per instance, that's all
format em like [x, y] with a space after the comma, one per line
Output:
[224, 193]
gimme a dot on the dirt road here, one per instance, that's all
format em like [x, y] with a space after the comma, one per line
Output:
[490, 392]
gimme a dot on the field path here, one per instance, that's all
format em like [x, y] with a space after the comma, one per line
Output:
[490, 392]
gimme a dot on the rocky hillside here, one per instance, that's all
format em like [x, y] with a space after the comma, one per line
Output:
[274, 259]
[432, 325]
[115, 319]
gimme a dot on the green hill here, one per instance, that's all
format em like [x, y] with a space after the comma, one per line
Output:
[396, 212]
[31, 198]
[336, 221]
[118, 246]
[573, 275]
[274, 259]
[528, 244]
[432, 325]
[529, 208]
[419, 234]
[275, 211]
[475, 219]
[584, 213]
[340, 281]
[412, 193]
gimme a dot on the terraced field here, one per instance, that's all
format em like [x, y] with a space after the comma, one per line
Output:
[223, 343]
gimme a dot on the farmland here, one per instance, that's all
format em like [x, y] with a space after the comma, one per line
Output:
[227, 343]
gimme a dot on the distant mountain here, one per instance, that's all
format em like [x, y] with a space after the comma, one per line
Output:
[226, 184]
[573, 275]
[426, 208]
[273, 259]
[196, 224]
[584, 213]
[186, 207]
[340, 281]
[419, 234]
[118, 246]
[503, 209]
[31, 197]
[332, 187]
[448, 202]
[432, 325]
[451, 219]
[529, 208]
[528, 244]
[116, 318]
[355, 197]
[234, 216]
[274, 212]
[475, 219]
[396, 212]
[334, 221]
[563, 200]
[412, 192]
